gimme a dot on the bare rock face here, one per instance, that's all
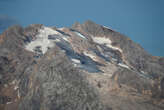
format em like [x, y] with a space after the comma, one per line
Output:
[56, 85]
[85, 67]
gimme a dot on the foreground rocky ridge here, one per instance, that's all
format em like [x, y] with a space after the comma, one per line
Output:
[85, 67]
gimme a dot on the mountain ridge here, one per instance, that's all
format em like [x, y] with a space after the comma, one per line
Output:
[85, 67]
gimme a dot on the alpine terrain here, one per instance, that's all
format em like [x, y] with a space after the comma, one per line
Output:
[84, 67]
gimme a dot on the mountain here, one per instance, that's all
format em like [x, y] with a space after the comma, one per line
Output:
[84, 67]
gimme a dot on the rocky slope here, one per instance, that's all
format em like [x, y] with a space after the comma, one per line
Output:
[85, 67]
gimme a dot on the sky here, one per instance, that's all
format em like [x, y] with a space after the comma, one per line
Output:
[141, 20]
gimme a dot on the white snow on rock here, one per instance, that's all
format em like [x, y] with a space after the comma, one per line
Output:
[65, 38]
[43, 41]
[109, 28]
[106, 27]
[143, 72]
[16, 87]
[90, 55]
[123, 65]
[76, 61]
[9, 103]
[80, 35]
[114, 59]
[106, 41]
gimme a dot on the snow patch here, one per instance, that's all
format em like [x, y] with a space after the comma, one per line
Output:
[79, 34]
[143, 72]
[106, 41]
[114, 59]
[106, 27]
[65, 38]
[109, 28]
[123, 65]
[90, 55]
[44, 41]
[57, 40]
[16, 87]
[76, 61]
[9, 103]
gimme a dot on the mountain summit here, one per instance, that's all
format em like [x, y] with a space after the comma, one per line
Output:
[84, 67]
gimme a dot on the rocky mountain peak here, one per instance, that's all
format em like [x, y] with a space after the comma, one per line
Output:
[85, 67]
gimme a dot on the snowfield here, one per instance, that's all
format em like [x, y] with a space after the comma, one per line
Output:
[106, 41]
[43, 40]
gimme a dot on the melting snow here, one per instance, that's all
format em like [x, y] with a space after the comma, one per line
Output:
[123, 65]
[106, 27]
[106, 41]
[9, 103]
[114, 59]
[143, 72]
[43, 40]
[90, 55]
[65, 38]
[16, 87]
[79, 34]
[75, 60]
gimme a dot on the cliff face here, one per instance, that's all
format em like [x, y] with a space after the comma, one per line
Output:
[85, 67]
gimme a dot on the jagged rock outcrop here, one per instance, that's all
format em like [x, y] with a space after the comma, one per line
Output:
[85, 67]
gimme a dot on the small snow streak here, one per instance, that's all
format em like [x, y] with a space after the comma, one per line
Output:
[123, 65]
[106, 41]
[90, 55]
[76, 61]
[79, 34]
[106, 27]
